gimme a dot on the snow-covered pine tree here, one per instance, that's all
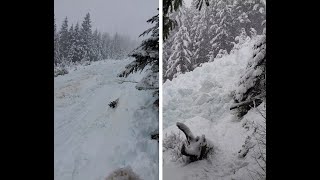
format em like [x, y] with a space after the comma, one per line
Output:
[86, 37]
[167, 52]
[190, 22]
[99, 46]
[223, 36]
[76, 53]
[250, 14]
[213, 29]
[195, 16]
[179, 62]
[71, 40]
[241, 39]
[106, 46]
[182, 19]
[64, 42]
[213, 26]
[115, 47]
[147, 54]
[71, 33]
[201, 39]
[169, 6]
[251, 88]
[95, 53]
[56, 45]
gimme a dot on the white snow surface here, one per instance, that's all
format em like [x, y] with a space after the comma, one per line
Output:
[91, 139]
[201, 99]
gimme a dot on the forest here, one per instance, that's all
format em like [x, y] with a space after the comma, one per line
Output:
[74, 44]
[202, 33]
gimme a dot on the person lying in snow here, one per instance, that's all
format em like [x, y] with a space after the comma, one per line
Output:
[196, 148]
[113, 104]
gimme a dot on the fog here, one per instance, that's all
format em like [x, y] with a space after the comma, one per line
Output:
[127, 17]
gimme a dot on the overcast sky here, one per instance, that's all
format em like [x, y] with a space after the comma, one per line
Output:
[124, 16]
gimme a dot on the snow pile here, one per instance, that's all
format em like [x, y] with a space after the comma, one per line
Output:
[65, 67]
[206, 91]
[201, 99]
[125, 173]
[91, 140]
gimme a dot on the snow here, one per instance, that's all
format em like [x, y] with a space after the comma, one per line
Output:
[255, 7]
[91, 140]
[261, 10]
[201, 99]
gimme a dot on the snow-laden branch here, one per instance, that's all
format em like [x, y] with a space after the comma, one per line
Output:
[236, 105]
[122, 81]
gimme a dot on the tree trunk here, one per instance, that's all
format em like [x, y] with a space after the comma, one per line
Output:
[244, 103]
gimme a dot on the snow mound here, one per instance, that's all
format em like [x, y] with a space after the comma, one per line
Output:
[206, 91]
[125, 173]
[201, 100]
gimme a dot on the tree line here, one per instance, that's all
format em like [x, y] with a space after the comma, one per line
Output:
[80, 44]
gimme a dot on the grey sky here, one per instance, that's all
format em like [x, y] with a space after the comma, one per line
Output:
[124, 16]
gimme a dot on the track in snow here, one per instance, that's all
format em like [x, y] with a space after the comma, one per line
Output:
[90, 138]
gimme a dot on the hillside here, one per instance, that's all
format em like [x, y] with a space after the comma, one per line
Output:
[201, 99]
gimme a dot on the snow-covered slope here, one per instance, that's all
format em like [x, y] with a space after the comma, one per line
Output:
[201, 99]
[90, 138]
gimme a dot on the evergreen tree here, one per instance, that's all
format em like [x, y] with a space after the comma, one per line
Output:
[147, 54]
[75, 53]
[64, 43]
[201, 41]
[56, 45]
[95, 48]
[225, 29]
[179, 62]
[251, 88]
[167, 52]
[168, 43]
[99, 45]
[250, 14]
[170, 6]
[106, 46]
[195, 20]
[71, 41]
[71, 32]
[80, 44]
[86, 38]
[116, 47]
[79, 52]
[213, 29]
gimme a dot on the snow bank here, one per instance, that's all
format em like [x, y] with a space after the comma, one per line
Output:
[91, 140]
[201, 99]
[206, 91]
